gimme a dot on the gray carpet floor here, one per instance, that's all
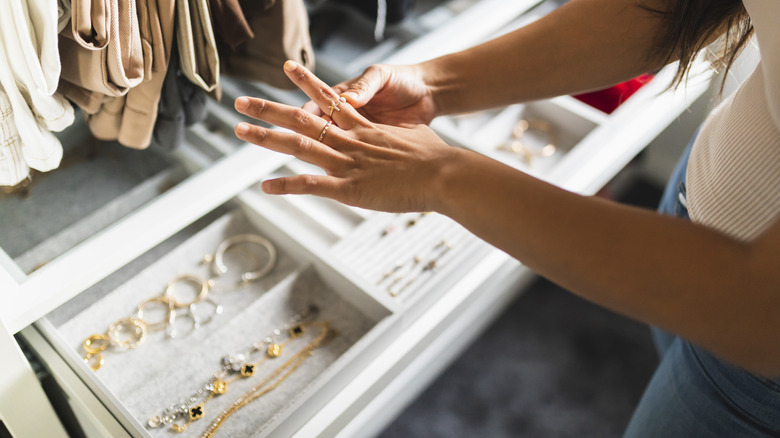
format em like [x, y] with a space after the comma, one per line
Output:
[553, 365]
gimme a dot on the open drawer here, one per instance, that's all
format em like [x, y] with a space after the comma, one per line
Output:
[175, 360]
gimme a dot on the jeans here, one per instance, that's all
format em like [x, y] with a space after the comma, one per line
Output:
[693, 393]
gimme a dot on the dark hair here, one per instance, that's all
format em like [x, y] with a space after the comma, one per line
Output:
[688, 26]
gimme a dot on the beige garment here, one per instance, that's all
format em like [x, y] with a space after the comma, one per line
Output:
[198, 55]
[281, 33]
[130, 119]
[103, 52]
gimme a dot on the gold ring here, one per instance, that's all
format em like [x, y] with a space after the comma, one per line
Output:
[94, 360]
[95, 344]
[334, 106]
[159, 325]
[136, 327]
[192, 279]
[324, 130]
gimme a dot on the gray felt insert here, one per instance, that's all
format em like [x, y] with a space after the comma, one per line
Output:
[161, 370]
[83, 184]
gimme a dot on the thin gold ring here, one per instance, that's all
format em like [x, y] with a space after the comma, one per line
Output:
[96, 343]
[159, 325]
[96, 363]
[324, 130]
[188, 278]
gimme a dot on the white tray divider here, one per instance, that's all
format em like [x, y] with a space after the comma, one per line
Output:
[417, 335]
[319, 254]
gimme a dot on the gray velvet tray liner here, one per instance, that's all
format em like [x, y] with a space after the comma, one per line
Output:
[82, 186]
[162, 370]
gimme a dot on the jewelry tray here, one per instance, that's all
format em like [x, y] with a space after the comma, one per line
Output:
[138, 384]
[329, 254]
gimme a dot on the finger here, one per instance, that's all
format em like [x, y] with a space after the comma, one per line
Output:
[359, 91]
[319, 185]
[302, 147]
[284, 116]
[312, 107]
[321, 94]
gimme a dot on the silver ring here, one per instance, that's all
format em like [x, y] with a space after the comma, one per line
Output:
[172, 331]
[216, 311]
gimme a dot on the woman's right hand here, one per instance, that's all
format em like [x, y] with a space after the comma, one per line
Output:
[388, 94]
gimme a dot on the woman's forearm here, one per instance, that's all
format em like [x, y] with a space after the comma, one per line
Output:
[705, 286]
[562, 53]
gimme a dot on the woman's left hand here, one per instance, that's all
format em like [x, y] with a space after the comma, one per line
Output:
[369, 165]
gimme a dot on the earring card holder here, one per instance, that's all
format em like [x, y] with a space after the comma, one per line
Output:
[357, 241]
[410, 256]
[137, 383]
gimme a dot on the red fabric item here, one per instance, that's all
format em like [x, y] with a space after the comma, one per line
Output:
[609, 99]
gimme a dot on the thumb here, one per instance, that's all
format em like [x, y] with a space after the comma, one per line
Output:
[362, 89]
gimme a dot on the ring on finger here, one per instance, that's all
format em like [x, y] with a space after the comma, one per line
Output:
[324, 130]
[334, 105]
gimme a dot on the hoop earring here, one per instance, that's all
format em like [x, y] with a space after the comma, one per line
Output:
[220, 268]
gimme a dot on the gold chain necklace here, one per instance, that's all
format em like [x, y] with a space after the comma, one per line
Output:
[271, 381]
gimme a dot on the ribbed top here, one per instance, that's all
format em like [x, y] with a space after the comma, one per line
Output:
[733, 179]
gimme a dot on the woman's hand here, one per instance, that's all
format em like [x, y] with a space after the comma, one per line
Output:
[367, 164]
[391, 95]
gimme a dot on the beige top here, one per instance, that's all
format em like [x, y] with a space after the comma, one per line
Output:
[733, 179]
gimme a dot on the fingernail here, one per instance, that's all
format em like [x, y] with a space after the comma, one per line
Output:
[351, 95]
[242, 103]
[242, 128]
[290, 65]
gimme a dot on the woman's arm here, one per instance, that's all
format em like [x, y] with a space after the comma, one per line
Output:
[583, 45]
[711, 289]
[716, 291]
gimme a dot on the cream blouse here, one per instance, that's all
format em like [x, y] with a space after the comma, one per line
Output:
[733, 175]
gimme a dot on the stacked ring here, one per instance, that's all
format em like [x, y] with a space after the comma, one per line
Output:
[324, 130]
[334, 106]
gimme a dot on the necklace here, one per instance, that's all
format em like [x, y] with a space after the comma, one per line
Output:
[271, 381]
[179, 415]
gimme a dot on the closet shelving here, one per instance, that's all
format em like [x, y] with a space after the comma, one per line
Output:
[56, 288]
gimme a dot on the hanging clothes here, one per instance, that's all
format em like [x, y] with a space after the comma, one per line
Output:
[281, 32]
[31, 68]
[130, 119]
[182, 104]
[197, 47]
[230, 25]
[13, 168]
[102, 52]
[63, 14]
